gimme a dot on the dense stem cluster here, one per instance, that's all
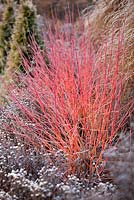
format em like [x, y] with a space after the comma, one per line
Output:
[74, 104]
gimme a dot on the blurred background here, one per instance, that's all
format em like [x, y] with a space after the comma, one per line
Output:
[44, 6]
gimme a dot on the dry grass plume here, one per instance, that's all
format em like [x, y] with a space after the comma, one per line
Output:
[107, 17]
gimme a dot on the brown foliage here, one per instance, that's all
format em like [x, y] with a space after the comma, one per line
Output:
[107, 18]
[44, 7]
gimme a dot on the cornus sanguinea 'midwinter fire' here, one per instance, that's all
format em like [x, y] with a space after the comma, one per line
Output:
[74, 104]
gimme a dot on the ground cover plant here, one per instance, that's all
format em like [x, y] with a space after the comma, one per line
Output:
[74, 104]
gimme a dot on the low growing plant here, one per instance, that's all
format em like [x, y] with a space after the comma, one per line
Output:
[74, 105]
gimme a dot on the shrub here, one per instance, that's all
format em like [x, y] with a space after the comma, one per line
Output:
[75, 105]
[6, 28]
[25, 25]
[15, 35]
